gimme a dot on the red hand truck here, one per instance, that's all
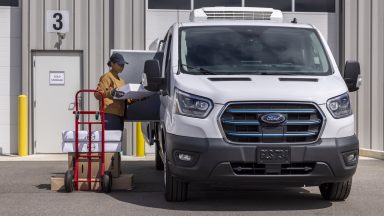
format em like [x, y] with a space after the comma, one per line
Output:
[71, 178]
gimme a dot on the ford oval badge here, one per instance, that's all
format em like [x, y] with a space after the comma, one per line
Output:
[273, 118]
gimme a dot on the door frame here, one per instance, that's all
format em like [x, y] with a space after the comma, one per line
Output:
[34, 52]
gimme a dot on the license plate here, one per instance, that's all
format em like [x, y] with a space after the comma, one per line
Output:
[273, 155]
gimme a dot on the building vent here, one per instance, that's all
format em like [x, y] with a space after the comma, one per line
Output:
[236, 13]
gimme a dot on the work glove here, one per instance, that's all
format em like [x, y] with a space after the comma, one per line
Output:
[116, 93]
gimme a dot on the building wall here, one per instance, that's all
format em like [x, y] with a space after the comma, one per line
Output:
[100, 25]
[10, 76]
[96, 27]
[364, 41]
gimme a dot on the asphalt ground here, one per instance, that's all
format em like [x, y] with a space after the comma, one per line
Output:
[25, 190]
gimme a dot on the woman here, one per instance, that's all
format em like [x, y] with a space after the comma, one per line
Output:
[109, 82]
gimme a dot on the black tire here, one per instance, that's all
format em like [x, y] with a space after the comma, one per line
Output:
[176, 190]
[68, 181]
[336, 191]
[107, 182]
[159, 162]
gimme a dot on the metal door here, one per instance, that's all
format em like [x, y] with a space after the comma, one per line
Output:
[56, 79]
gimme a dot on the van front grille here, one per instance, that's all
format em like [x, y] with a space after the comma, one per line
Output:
[243, 123]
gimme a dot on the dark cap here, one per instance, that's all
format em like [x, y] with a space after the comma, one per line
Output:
[117, 58]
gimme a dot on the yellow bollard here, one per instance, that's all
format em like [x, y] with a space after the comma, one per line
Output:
[140, 148]
[23, 126]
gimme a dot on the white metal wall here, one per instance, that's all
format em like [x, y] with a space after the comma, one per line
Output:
[364, 41]
[10, 76]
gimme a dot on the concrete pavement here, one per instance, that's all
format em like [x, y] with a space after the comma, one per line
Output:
[24, 190]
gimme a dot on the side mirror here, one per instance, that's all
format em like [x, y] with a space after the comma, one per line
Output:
[152, 80]
[352, 75]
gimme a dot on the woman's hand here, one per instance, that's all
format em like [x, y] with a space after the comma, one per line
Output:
[116, 93]
[131, 101]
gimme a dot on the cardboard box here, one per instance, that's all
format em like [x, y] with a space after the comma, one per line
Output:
[124, 182]
[83, 166]
[57, 183]
[112, 162]
[95, 186]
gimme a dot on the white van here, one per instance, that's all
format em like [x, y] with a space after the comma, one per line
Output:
[246, 99]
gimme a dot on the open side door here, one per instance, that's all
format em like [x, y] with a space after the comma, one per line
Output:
[148, 109]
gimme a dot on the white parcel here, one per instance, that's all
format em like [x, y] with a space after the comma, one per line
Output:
[113, 139]
[134, 91]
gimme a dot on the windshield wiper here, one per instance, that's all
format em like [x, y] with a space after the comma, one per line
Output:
[200, 69]
[281, 73]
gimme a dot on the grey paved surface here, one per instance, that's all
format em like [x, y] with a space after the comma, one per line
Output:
[24, 190]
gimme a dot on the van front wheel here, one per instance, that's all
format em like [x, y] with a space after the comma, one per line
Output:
[158, 161]
[176, 190]
[336, 191]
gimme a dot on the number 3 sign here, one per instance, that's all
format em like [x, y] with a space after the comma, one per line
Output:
[57, 21]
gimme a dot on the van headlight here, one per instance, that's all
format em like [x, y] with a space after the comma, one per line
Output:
[340, 106]
[192, 105]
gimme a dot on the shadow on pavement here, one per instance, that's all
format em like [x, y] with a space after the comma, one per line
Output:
[148, 192]
[44, 186]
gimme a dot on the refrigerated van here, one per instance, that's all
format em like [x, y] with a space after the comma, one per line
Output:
[245, 99]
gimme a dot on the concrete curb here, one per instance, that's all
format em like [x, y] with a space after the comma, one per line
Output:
[64, 157]
[372, 153]
[364, 155]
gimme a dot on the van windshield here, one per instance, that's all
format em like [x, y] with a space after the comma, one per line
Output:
[261, 50]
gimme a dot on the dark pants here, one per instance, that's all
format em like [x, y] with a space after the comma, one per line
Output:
[114, 122]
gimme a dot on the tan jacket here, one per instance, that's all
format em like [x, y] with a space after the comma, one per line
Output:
[107, 83]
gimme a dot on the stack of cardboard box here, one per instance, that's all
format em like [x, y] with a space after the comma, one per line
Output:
[112, 163]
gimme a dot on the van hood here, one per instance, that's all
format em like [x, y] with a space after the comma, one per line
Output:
[223, 89]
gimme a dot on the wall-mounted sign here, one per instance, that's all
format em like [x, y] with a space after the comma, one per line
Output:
[57, 21]
[56, 78]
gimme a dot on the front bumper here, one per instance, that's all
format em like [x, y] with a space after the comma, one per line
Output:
[213, 158]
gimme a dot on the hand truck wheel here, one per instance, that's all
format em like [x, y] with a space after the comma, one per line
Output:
[68, 181]
[107, 182]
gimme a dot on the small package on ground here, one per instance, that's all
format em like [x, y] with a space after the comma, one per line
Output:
[134, 91]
